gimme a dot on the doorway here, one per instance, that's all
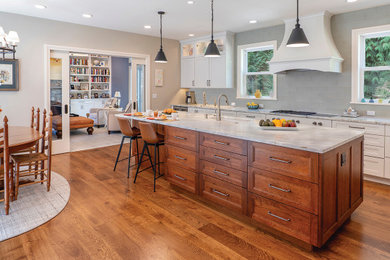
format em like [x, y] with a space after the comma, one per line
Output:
[74, 76]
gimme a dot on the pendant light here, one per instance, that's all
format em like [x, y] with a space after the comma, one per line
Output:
[212, 49]
[297, 37]
[160, 58]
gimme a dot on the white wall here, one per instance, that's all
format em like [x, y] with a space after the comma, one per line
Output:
[35, 32]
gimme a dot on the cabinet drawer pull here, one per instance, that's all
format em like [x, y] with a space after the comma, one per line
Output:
[180, 178]
[180, 138]
[277, 188]
[220, 193]
[251, 116]
[219, 142]
[279, 160]
[180, 158]
[357, 127]
[221, 158]
[221, 173]
[276, 216]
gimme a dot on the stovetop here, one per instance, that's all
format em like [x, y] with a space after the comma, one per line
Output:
[292, 112]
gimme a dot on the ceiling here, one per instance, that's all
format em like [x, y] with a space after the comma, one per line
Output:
[181, 18]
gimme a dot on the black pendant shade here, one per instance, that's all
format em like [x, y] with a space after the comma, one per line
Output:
[212, 49]
[160, 58]
[297, 38]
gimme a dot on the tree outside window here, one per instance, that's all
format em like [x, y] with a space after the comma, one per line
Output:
[255, 75]
[376, 67]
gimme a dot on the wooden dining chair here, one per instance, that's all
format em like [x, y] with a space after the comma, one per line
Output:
[4, 168]
[41, 158]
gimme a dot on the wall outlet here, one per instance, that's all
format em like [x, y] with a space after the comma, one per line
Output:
[154, 95]
[370, 113]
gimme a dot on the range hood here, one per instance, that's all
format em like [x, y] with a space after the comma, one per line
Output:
[321, 55]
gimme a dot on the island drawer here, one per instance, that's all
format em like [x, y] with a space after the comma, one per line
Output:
[182, 157]
[223, 193]
[289, 220]
[373, 129]
[181, 137]
[235, 161]
[290, 191]
[182, 178]
[223, 173]
[298, 164]
[224, 143]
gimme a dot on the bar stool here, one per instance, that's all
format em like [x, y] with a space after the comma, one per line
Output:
[151, 138]
[132, 134]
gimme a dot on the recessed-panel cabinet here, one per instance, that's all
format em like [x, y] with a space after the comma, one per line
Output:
[208, 72]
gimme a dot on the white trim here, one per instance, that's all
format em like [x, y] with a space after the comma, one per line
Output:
[358, 42]
[240, 62]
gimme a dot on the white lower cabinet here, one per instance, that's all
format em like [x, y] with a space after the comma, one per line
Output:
[387, 168]
[374, 151]
[229, 113]
[374, 166]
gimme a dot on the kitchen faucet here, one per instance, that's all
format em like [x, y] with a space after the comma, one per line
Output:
[219, 118]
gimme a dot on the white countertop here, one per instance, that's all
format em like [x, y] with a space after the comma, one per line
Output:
[360, 119]
[307, 138]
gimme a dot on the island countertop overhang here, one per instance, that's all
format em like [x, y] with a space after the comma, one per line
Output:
[307, 138]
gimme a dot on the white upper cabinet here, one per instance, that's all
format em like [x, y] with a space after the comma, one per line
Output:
[207, 72]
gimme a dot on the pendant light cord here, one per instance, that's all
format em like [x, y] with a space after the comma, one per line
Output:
[298, 13]
[161, 45]
[212, 20]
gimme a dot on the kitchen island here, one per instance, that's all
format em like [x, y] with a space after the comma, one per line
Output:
[301, 185]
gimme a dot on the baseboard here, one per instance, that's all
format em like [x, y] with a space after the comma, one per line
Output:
[376, 179]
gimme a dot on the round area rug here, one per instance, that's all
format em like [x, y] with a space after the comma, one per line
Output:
[34, 207]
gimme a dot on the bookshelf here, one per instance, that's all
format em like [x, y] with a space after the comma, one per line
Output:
[90, 76]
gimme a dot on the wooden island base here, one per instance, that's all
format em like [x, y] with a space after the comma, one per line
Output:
[300, 196]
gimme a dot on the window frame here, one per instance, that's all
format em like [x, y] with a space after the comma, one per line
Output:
[359, 37]
[242, 66]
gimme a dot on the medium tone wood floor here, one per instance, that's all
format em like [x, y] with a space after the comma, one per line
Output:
[108, 217]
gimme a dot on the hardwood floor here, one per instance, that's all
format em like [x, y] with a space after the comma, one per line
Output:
[108, 217]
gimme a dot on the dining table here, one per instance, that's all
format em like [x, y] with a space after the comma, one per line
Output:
[22, 137]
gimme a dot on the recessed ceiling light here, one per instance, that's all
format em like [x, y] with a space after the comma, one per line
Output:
[87, 15]
[41, 6]
[190, 2]
[147, 27]
[253, 21]
[351, 1]
[191, 35]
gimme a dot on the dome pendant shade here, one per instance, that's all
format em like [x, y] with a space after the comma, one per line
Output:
[160, 57]
[297, 38]
[212, 50]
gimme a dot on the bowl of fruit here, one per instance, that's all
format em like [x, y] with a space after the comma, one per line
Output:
[169, 111]
[252, 105]
[278, 124]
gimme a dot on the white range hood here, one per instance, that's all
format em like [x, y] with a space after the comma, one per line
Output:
[321, 55]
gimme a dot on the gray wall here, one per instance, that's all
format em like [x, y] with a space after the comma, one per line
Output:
[311, 90]
[120, 78]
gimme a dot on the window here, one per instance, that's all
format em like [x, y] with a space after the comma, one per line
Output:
[253, 71]
[371, 65]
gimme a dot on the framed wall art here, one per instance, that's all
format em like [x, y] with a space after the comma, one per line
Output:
[159, 78]
[9, 75]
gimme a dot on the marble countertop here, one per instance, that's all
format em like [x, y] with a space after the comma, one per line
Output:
[307, 138]
[360, 119]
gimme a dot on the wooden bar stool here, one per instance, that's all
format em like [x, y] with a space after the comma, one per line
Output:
[151, 138]
[133, 134]
[4, 165]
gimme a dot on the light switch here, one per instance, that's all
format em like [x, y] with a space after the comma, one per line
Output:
[154, 95]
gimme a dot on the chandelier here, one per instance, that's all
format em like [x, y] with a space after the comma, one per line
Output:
[8, 43]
